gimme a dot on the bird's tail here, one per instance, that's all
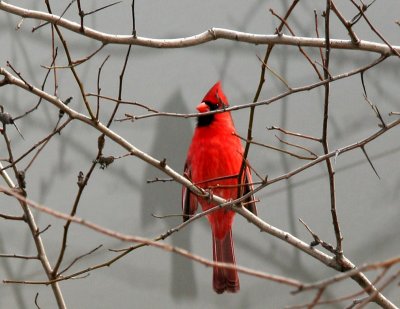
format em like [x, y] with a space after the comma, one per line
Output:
[224, 279]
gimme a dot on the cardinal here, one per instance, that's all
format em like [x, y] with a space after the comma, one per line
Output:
[213, 163]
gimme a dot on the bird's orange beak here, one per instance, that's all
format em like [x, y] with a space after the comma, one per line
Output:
[203, 107]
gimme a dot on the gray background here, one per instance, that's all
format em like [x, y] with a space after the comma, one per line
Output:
[176, 80]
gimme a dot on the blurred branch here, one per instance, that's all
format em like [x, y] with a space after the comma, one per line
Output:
[141, 240]
[18, 256]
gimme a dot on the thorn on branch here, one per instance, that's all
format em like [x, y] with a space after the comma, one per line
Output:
[313, 155]
[19, 75]
[377, 113]
[274, 73]
[294, 133]
[36, 300]
[369, 161]
[362, 8]
[61, 16]
[337, 153]
[99, 9]
[19, 24]
[363, 83]
[6, 118]
[38, 232]
[77, 259]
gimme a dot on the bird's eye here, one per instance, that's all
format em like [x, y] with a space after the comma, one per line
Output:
[211, 105]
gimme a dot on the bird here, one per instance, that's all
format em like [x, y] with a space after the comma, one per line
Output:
[214, 162]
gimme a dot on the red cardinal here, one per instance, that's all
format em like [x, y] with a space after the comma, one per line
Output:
[213, 162]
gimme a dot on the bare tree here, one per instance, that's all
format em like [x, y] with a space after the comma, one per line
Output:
[105, 110]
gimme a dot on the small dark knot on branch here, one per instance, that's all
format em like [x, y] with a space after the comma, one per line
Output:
[21, 179]
[6, 118]
[81, 179]
[314, 243]
[212, 32]
[105, 161]
[66, 102]
[163, 163]
[100, 143]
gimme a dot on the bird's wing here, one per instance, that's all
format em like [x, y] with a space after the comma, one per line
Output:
[189, 200]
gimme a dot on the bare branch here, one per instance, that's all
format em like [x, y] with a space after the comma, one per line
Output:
[142, 240]
[201, 38]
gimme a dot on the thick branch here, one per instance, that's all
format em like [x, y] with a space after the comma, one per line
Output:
[344, 265]
[106, 131]
[201, 38]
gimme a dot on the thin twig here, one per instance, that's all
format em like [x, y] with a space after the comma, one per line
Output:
[278, 149]
[79, 258]
[44, 140]
[300, 48]
[345, 23]
[98, 86]
[70, 62]
[362, 13]
[19, 256]
[324, 138]
[294, 133]
[249, 137]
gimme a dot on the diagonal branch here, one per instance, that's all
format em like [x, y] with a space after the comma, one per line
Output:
[361, 279]
[142, 240]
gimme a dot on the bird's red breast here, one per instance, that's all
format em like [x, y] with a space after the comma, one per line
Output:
[213, 163]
